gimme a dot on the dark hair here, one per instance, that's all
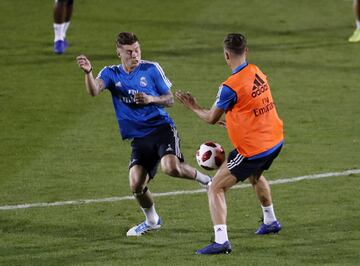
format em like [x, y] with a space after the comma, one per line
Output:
[126, 38]
[235, 43]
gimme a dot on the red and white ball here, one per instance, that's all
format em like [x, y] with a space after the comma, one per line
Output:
[210, 155]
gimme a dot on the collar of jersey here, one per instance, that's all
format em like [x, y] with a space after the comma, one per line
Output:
[132, 72]
[239, 68]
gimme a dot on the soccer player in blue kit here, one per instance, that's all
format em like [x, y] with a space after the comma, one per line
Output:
[140, 92]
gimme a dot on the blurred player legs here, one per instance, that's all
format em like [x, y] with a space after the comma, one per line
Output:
[355, 37]
[62, 16]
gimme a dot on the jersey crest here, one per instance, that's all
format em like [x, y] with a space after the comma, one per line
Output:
[143, 82]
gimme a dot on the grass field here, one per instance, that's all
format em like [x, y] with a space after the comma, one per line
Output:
[58, 144]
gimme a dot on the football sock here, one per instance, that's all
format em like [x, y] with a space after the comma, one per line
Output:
[151, 216]
[65, 28]
[202, 178]
[58, 32]
[358, 24]
[269, 214]
[221, 235]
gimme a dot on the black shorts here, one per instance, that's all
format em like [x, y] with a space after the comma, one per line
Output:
[147, 151]
[68, 2]
[242, 167]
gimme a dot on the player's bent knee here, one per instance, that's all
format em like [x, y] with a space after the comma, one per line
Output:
[213, 189]
[171, 171]
[140, 192]
[170, 167]
[138, 187]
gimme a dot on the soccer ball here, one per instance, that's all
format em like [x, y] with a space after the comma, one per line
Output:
[210, 155]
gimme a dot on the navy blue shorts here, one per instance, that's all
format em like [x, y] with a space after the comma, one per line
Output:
[148, 151]
[242, 167]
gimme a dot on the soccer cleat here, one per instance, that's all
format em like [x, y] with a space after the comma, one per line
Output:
[215, 248]
[265, 229]
[59, 47]
[143, 228]
[202, 181]
[355, 37]
[206, 186]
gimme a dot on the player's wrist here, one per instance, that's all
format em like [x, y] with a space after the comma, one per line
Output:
[151, 99]
[88, 71]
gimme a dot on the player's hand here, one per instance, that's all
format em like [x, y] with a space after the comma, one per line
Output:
[142, 98]
[221, 123]
[186, 99]
[84, 63]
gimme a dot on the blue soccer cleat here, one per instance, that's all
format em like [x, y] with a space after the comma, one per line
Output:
[265, 229]
[59, 47]
[143, 228]
[215, 248]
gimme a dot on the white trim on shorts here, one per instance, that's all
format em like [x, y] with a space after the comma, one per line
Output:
[177, 141]
[236, 161]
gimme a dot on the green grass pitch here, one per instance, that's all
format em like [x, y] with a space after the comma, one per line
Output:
[58, 144]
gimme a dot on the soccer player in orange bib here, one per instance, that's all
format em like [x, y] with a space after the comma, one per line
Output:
[254, 129]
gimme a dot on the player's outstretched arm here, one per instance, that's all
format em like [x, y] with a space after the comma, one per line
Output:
[211, 116]
[93, 86]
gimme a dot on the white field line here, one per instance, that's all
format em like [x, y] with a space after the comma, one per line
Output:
[173, 193]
